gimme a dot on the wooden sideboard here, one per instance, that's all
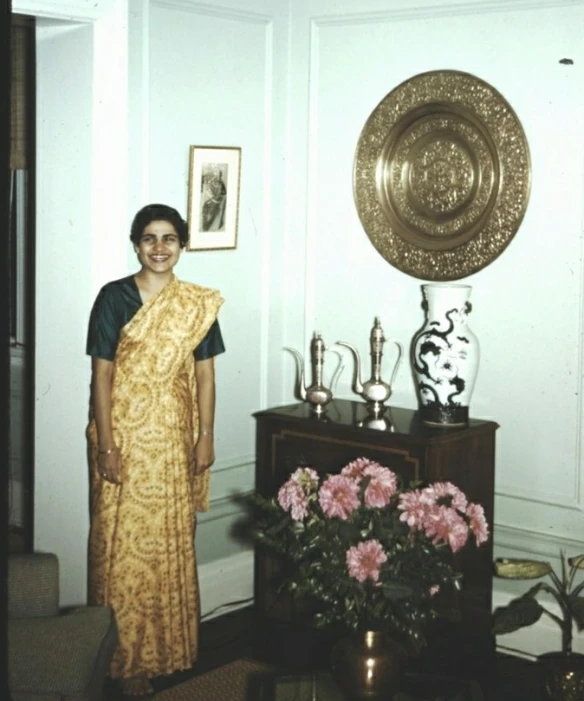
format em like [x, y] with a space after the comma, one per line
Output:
[293, 435]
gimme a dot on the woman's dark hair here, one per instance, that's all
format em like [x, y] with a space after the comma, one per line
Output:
[158, 212]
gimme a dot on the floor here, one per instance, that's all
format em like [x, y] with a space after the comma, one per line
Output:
[222, 640]
[233, 635]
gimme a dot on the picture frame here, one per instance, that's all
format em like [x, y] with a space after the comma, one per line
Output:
[213, 204]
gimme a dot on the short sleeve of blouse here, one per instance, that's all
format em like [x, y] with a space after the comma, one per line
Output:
[212, 344]
[104, 325]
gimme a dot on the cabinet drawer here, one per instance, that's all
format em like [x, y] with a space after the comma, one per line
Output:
[291, 448]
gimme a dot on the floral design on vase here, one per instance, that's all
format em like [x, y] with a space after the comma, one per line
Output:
[445, 355]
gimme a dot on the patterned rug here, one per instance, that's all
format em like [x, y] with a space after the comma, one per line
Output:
[246, 680]
[235, 681]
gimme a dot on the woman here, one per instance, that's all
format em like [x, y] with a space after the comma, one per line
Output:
[152, 340]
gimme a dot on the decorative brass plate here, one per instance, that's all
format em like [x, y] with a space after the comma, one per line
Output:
[442, 175]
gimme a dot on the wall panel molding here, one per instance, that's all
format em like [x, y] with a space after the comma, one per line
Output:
[440, 11]
[262, 230]
[234, 463]
[139, 103]
[219, 509]
[573, 503]
[311, 191]
[68, 10]
[534, 542]
[213, 11]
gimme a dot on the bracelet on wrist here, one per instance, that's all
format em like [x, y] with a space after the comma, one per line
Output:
[206, 432]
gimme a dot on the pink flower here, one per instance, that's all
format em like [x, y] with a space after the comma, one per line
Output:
[338, 496]
[299, 510]
[382, 485]
[365, 559]
[292, 498]
[306, 477]
[293, 494]
[434, 589]
[447, 524]
[442, 490]
[416, 506]
[478, 522]
[356, 468]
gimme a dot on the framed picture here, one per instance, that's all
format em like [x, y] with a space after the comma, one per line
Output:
[213, 206]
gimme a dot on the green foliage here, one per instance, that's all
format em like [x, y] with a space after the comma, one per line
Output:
[526, 610]
[521, 612]
[314, 556]
[576, 604]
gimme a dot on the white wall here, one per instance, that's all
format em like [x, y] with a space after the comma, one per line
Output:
[214, 67]
[81, 202]
[294, 91]
[211, 75]
[527, 305]
[63, 250]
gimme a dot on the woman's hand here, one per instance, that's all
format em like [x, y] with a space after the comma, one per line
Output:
[110, 465]
[203, 454]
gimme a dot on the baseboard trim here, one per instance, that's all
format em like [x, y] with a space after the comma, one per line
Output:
[226, 584]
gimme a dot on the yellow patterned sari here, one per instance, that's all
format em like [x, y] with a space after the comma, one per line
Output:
[141, 544]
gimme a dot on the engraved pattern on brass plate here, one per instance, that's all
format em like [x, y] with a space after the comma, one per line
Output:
[442, 175]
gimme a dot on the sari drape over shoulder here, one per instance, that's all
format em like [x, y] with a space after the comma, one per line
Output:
[141, 544]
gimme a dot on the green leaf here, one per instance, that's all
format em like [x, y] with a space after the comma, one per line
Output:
[278, 527]
[576, 604]
[577, 562]
[347, 531]
[534, 591]
[396, 590]
[513, 568]
[520, 613]
[450, 613]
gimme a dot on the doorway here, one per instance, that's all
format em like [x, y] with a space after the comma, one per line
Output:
[21, 284]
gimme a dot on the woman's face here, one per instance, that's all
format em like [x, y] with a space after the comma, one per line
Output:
[159, 247]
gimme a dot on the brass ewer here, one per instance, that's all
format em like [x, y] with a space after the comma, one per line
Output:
[374, 391]
[317, 395]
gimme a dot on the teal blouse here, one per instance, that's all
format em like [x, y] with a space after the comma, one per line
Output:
[115, 305]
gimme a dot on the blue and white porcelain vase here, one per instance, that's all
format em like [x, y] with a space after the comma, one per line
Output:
[445, 356]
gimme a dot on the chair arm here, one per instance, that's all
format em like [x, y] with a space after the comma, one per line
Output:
[33, 585]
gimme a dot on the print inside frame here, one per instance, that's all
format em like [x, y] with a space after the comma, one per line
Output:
[213, 207]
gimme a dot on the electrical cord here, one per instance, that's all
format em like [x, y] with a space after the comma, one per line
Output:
[229, 604]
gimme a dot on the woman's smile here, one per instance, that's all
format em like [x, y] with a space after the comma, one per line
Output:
[159, 247]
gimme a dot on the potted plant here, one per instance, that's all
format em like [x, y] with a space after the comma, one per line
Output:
[562, 672]
[375, 556]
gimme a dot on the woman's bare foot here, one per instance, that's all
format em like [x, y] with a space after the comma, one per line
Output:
[136, 686]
